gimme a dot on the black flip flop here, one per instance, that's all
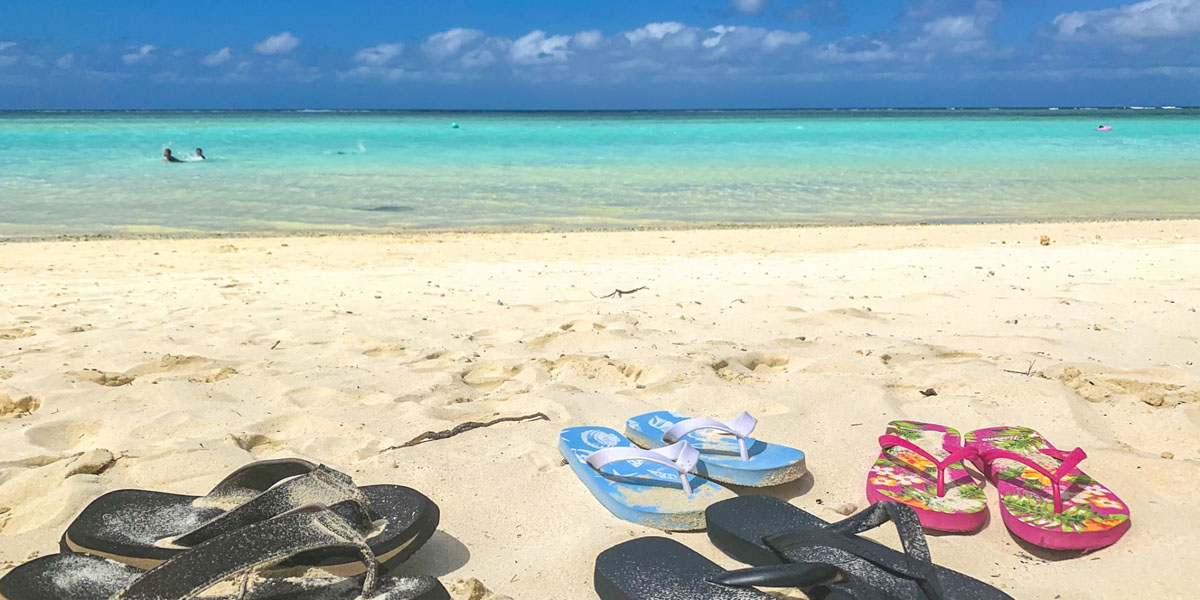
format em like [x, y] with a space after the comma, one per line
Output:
[761, 530]
[656, 568]
[144, 528]
[230, 567]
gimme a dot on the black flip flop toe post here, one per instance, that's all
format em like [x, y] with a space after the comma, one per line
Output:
[144, 528]
[766, 531]
[234, 566]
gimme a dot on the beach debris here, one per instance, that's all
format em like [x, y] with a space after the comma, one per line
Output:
[619, 292]
[1168, 455]
[1045, 241]
[104, 378]
[1027, 372]
[472, 589]
[464, 427]
[276, 344]
[928, 392]
[846, 509]
[19, 407]
[886, 358]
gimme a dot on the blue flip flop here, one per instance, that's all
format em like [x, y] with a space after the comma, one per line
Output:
[727, 452]
[654, 488]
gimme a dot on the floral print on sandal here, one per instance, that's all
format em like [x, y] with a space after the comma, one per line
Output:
[921, 465]
[1044, 498]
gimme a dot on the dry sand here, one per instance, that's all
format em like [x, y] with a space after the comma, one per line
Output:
[165, 364]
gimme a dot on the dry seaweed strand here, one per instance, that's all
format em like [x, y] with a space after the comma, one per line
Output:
[430, 436]
[619, 292]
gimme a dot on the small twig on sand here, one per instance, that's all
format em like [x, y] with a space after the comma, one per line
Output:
[618, 293]
[1027, 372]
[276, 344]
[429, 436]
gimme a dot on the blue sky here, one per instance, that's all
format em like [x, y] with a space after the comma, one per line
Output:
[541, 54]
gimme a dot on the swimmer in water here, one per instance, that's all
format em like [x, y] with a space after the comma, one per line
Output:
[200, 154]
[167, 158]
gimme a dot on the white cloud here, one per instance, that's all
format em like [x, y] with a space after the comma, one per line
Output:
[281, 43]
[654, 31]
[1149, 19]
[750, 7]
[446, 44]
[588, 40]
[6, 45]
[537, 47]
[478, 59]
[778, 39]
[378, 55]
[141, 54]
[957, 34]
[65, 61]
[859, 49]
[217, 58]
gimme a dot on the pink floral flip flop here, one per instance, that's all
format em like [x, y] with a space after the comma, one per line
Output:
[921, 465]
[1044, 498]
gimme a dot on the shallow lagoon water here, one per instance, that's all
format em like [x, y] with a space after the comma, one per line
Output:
[101, 172]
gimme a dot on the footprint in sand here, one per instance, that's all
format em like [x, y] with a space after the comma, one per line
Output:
[17, 333]
[386, 351]
[19, 407]
[104, 378]
[591, 371]
[489, 377]
[199, 369]
[1095, 386]
[742, 369]
[62, 435]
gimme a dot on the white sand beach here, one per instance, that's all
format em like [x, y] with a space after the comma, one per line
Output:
[164, 364]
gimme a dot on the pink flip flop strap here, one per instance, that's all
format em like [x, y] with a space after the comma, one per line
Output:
[1069, 461]
[956, 455]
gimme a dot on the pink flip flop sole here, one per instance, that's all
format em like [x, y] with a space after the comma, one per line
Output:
[1026, 469]
[921, 466]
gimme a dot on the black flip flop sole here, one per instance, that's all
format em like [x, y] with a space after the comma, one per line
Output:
[127, 526]
[737, 527]
[656, 568]
[84, 577]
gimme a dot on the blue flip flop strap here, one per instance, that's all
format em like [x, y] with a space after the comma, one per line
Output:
[249, 549]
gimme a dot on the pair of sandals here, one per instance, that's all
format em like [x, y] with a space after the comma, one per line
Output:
[788, 548]
[270, 530]
[1045, 499]
[666, 469]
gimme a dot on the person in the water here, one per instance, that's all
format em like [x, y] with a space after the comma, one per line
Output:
[200, 154]
[168, 158]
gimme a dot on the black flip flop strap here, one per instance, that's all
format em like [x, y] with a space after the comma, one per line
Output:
[789, 575]
[908, 526]
[858, 557]
[247, 482]
[250, 549]
[320, 486]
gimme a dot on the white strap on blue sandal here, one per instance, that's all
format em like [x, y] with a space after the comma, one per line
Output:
[727, 452]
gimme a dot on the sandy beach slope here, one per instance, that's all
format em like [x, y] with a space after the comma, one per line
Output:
[164, 364]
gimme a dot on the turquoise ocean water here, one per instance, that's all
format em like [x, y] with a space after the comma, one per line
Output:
[101, 172]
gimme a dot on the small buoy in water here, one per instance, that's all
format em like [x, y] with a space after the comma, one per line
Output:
[1104, 128]
[454, 126]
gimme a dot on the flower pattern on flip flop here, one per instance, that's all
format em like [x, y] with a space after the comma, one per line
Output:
[1028, 494]
[903, 475]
